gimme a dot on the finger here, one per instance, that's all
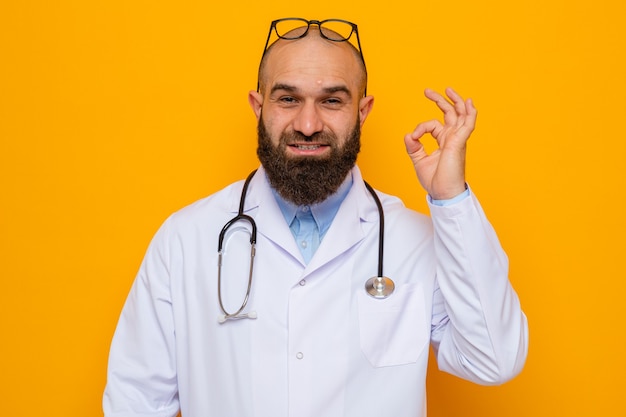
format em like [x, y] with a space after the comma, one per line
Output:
[472, 113]
[443, 104]
[467, 123]
[450, 113]
[466, 119]
[434, 127]
[458, 101]
[465, 109]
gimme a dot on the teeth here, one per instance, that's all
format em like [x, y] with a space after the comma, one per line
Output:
[307, 147]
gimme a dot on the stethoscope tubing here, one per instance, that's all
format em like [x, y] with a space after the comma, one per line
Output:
[381, 228]
[240, 216]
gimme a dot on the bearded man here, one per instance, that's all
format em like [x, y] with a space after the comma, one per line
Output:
[268, 298]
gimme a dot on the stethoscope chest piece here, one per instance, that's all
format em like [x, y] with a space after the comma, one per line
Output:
[379, 287]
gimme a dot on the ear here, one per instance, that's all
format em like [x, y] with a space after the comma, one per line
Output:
[365, 107]
[255, 99]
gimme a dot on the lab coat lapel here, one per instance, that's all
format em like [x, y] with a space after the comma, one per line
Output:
[262, 206]
[354, 220]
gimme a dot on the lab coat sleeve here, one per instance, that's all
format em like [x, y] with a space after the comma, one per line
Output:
[141, 377]
[479, 331]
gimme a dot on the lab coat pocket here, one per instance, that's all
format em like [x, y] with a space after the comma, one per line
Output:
[395, 330]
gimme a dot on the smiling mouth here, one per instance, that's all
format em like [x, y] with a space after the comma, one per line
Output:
[307, 147]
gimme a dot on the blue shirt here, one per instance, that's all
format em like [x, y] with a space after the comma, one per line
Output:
[309, 224]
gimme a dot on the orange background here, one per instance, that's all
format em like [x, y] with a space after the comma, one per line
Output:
[114, 114]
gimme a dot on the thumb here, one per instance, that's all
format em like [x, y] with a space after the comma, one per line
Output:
[413, 144]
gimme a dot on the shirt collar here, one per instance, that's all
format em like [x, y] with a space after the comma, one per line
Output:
[323, 213]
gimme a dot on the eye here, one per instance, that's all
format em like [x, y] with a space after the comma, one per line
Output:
[333, 101]
[287, 100]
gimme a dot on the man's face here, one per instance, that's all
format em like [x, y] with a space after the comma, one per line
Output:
[310, 104]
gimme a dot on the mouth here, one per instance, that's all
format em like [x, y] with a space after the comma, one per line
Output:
[308, 148]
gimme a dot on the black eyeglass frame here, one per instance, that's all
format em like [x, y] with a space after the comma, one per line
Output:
[319, 23]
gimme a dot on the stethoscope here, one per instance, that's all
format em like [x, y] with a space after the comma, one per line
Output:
[379, 287]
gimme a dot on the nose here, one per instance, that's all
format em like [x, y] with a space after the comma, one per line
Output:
[308, 120]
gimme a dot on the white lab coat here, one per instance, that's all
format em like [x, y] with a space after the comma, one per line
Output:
[321, 347]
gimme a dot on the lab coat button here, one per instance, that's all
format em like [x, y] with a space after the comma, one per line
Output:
[302, 283]
[299, 355]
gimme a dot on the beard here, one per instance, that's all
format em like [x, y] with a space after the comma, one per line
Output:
[306, 180]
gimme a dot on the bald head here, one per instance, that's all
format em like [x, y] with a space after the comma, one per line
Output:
[313, 53]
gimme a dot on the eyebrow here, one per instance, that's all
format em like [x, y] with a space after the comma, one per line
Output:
[285, 87]
[338, 89]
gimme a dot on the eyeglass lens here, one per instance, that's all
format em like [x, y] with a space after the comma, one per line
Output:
[334, 30]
